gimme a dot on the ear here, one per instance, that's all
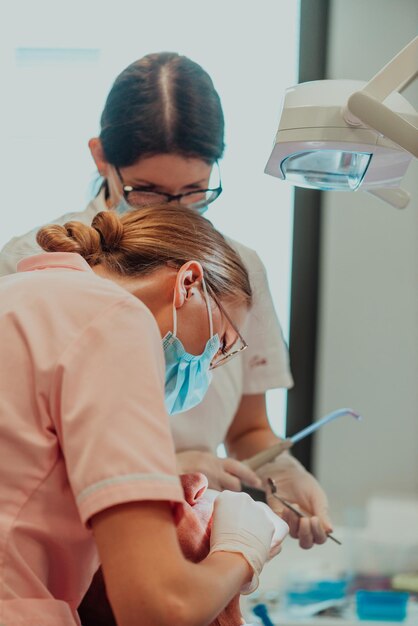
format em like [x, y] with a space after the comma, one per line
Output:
[98, 155]
[189, 279]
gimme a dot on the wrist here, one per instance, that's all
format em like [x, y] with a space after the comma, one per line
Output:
[251, 578]
[254, 556]
[251, 585]
[249, 571]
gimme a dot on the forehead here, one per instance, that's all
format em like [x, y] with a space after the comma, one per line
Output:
[168, 170]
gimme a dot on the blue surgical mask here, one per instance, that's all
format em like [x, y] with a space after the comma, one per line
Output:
[187, 376]
[122, 206]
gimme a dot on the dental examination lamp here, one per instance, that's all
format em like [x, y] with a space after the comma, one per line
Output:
[347, 135]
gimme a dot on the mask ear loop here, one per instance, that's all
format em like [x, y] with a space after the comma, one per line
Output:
[205, 291]
[118, 182]
[174, 316]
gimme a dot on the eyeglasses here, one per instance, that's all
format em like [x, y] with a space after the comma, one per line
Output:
[226, 355]
[142, 196]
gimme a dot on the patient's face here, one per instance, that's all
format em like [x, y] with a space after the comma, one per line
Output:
[193, 520]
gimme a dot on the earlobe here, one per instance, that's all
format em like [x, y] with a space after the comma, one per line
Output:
[180, 295]
[97, 152]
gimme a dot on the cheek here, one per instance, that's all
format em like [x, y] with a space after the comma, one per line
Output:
[193, 331]
[192, 341]
[219, 326]
[193, 518]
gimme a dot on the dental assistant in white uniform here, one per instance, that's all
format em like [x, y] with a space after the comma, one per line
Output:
[162, 131]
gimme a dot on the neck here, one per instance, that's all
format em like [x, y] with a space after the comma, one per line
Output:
[154, 290]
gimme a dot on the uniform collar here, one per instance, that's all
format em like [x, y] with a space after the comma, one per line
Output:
[54, 260]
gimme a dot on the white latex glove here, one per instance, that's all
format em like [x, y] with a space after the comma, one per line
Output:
[242, 525]
[301, 489]
[221, 473]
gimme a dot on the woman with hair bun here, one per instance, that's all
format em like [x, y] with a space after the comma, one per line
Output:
[116, 325]
[162, 135]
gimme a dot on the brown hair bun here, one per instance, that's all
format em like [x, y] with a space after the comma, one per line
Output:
[72, 237]
[110, 229]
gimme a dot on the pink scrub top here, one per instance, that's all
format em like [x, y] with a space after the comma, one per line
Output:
[83, 427]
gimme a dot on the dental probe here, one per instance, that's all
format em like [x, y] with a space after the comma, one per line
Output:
[265, 456]
[287, 504]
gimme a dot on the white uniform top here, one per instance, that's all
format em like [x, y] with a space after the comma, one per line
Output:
[264, 365]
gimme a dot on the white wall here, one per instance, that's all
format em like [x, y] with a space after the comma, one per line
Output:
[58, 61]
[368, 335]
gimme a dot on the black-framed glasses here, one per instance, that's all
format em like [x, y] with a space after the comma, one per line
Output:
[141, 196]
[224, 356]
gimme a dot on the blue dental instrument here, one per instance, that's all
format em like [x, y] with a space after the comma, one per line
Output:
[265, 456]
[261, 611]
[325, 420]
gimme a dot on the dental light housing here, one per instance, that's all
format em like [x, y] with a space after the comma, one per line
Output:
[322, 144]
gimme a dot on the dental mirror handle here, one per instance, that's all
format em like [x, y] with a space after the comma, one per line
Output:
[265, 456]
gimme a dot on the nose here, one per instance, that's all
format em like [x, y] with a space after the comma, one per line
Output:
[171, 198]
[194, 486]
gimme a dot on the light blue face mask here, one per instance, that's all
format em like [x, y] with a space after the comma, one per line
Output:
[187, 376]
[123, 206]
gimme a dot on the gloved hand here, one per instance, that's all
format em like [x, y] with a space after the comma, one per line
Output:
[242, 525]
[221, 473]
[300, 488]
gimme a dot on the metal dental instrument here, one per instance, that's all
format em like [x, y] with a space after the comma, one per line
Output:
[287, 504]
[261, 458]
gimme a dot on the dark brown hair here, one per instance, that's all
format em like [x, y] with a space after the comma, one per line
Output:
[139, 242]
[163, 103]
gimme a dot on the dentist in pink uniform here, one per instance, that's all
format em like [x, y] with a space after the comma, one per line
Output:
[114, 326]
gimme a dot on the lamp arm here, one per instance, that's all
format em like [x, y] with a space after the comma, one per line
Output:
[397, 197]
[367, 105]
[378, 116]
[396, 74]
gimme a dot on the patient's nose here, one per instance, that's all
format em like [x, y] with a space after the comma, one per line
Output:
[194, 486]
